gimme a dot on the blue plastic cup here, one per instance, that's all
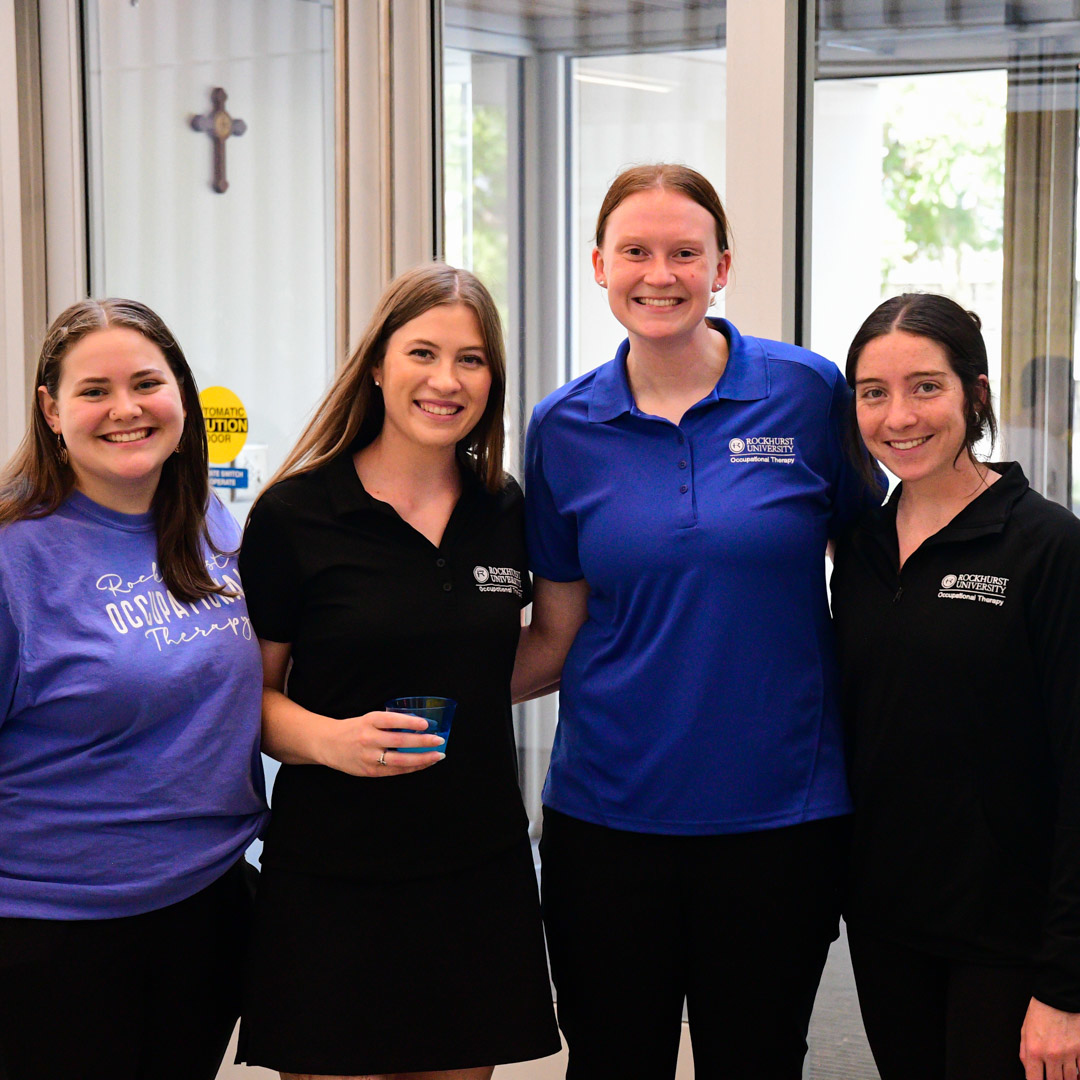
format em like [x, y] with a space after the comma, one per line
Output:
[437, 711]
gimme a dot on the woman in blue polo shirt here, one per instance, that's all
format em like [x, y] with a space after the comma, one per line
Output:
[679, 503]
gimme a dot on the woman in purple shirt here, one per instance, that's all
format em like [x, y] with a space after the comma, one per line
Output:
[130, 682]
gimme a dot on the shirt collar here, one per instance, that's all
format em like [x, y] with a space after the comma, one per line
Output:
[349, 496]
[745, 377]
[986, 513]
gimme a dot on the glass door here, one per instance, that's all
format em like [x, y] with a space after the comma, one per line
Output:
[210, 173]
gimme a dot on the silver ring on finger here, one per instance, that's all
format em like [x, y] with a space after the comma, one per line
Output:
[382, 757]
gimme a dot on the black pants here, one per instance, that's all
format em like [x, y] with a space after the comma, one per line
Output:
[738, 925]
[147, 997]
[931, 1018]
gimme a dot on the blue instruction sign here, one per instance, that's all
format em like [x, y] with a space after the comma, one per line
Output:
[228, 478]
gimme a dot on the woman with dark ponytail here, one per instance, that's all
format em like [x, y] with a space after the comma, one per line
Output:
[957, 609]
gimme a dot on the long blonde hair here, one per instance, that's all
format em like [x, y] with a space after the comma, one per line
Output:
[351, 413]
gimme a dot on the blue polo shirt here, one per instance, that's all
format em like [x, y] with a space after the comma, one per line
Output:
[700, 694]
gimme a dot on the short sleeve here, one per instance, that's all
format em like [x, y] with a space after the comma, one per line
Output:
[851, 496]
[514, 503]
[269, 571]
[9, 660]
[551, 533]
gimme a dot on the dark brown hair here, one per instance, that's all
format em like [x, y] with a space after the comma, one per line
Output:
[351, 414]
[959, 333]
[680, 178]
[35, 481]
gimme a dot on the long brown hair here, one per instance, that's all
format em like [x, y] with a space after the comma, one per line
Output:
[678, 178]
[351, 414]
[36, 481]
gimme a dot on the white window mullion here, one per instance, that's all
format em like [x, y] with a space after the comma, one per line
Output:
[762, 163]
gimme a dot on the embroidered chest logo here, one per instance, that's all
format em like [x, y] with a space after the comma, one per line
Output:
[498, 579]
[981, 588]
[768, 449]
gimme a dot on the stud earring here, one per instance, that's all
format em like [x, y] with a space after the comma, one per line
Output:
[377, 383]
[61, 449]
[179, 449]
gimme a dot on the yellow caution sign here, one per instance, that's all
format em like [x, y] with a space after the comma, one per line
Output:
[226, 423]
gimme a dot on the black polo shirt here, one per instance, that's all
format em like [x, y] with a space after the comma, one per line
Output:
[960, 687]
[374, 611]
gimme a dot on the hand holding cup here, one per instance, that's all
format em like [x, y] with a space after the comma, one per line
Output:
[437, 711]
[380, 743]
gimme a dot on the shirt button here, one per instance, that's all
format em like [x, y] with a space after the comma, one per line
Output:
[682, 464]
[447, 586]
[683, 489]
[440, 562]
[682, 439]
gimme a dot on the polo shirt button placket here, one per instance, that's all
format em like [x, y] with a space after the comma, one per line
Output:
[685, 513]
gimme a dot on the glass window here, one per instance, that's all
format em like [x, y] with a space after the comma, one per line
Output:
[945, 160]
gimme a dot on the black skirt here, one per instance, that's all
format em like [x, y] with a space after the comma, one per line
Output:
[350, 977]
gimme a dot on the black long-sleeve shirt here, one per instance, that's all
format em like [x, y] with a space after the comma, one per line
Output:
[960, 680]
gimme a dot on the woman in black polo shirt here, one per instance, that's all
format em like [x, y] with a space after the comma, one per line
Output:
[397, 926]
[957, 608]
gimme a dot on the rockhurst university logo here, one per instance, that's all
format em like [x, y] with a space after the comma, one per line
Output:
[980, 588]
[498, 579]
[768, 449]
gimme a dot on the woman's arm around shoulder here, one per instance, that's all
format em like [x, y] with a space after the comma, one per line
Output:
[559, 609]
[362, 745]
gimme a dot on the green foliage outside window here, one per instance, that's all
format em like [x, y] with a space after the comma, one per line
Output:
[945, 181]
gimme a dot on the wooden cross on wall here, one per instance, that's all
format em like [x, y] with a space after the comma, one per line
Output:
[219, 125]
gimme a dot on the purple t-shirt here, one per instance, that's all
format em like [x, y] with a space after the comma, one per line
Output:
[130, 775]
